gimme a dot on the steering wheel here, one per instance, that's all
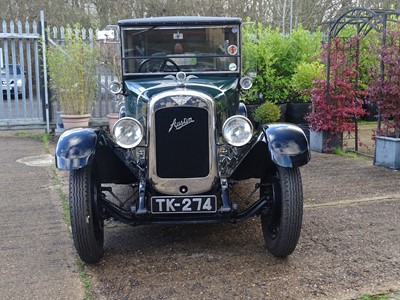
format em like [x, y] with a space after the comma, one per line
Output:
[154, 64]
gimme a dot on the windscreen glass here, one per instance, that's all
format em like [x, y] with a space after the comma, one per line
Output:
[188, 49]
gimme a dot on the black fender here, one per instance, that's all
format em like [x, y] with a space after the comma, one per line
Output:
[281, 144]
[81, 147]
[287, 144]
[76, 148]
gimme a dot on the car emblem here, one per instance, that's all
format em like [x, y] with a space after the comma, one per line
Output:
[180, 124]
[181, 100]
[181, 79]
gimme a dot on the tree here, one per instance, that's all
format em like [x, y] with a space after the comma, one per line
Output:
[98, 13]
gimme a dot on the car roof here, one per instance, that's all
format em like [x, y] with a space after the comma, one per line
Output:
[180, 20]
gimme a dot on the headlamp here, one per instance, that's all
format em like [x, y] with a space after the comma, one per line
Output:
[246, 83]
[237, 130]
[115, 87]
[128, 132]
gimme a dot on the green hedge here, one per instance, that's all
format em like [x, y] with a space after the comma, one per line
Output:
[284, 66]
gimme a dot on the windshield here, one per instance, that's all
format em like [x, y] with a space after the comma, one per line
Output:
[188, 49]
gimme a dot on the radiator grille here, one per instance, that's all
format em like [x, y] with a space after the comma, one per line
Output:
[182, 149]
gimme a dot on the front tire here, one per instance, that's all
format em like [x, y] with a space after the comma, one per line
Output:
[281, 222]
[86, 215]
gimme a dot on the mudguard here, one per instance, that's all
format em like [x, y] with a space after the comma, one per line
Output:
[75, 148]
[287, 144]
[279, 144]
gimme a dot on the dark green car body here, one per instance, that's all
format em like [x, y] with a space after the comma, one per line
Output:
[180, 110]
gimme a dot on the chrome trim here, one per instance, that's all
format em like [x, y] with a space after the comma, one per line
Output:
[237, 117]
[116, 137]
[191, 72]
[168, 84]
[118, 86]
[243, 80]
[170, 186]
[242, 109]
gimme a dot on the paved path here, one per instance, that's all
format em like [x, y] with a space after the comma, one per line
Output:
[37, 260]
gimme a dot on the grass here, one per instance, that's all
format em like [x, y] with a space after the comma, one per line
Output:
[87, 284]
[308, 200]
[340, 151]
[63, 196]
[375, 297]
[362, 122]
[44, 137]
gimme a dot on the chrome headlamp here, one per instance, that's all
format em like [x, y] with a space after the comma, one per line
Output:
[128, 132]
[115, 87]
[246, 83]
[237, 130]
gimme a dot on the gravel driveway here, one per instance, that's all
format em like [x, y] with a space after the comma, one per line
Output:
[349, 246]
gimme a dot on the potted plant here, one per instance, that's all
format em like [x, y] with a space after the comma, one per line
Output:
[336, 106]
[384, 90]
[302, 83]
[73, 74]
[280, 67]
[267, 112]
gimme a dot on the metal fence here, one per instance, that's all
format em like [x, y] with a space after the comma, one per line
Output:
[27, 102]
[22, 77]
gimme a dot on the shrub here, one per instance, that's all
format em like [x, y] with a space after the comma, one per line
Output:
[337, 111]
[274, 58]
[267, 112]
[305, 77]
[384, 88]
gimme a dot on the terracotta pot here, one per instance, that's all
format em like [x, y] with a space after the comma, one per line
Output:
[73, 121]
[112, 118]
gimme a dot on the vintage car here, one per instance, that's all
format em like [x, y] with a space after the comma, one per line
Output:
[183, 141]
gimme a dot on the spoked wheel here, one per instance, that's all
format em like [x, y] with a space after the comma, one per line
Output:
[86, 215]
[281, 223]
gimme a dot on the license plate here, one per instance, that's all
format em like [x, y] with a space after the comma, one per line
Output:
[183, 204]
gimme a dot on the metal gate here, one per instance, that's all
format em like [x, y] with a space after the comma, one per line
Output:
[25, 94]
[23, 76]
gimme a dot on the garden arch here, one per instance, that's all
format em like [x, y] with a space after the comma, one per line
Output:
[363, 20]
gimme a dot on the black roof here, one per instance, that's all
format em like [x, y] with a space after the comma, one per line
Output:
[180, 20]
